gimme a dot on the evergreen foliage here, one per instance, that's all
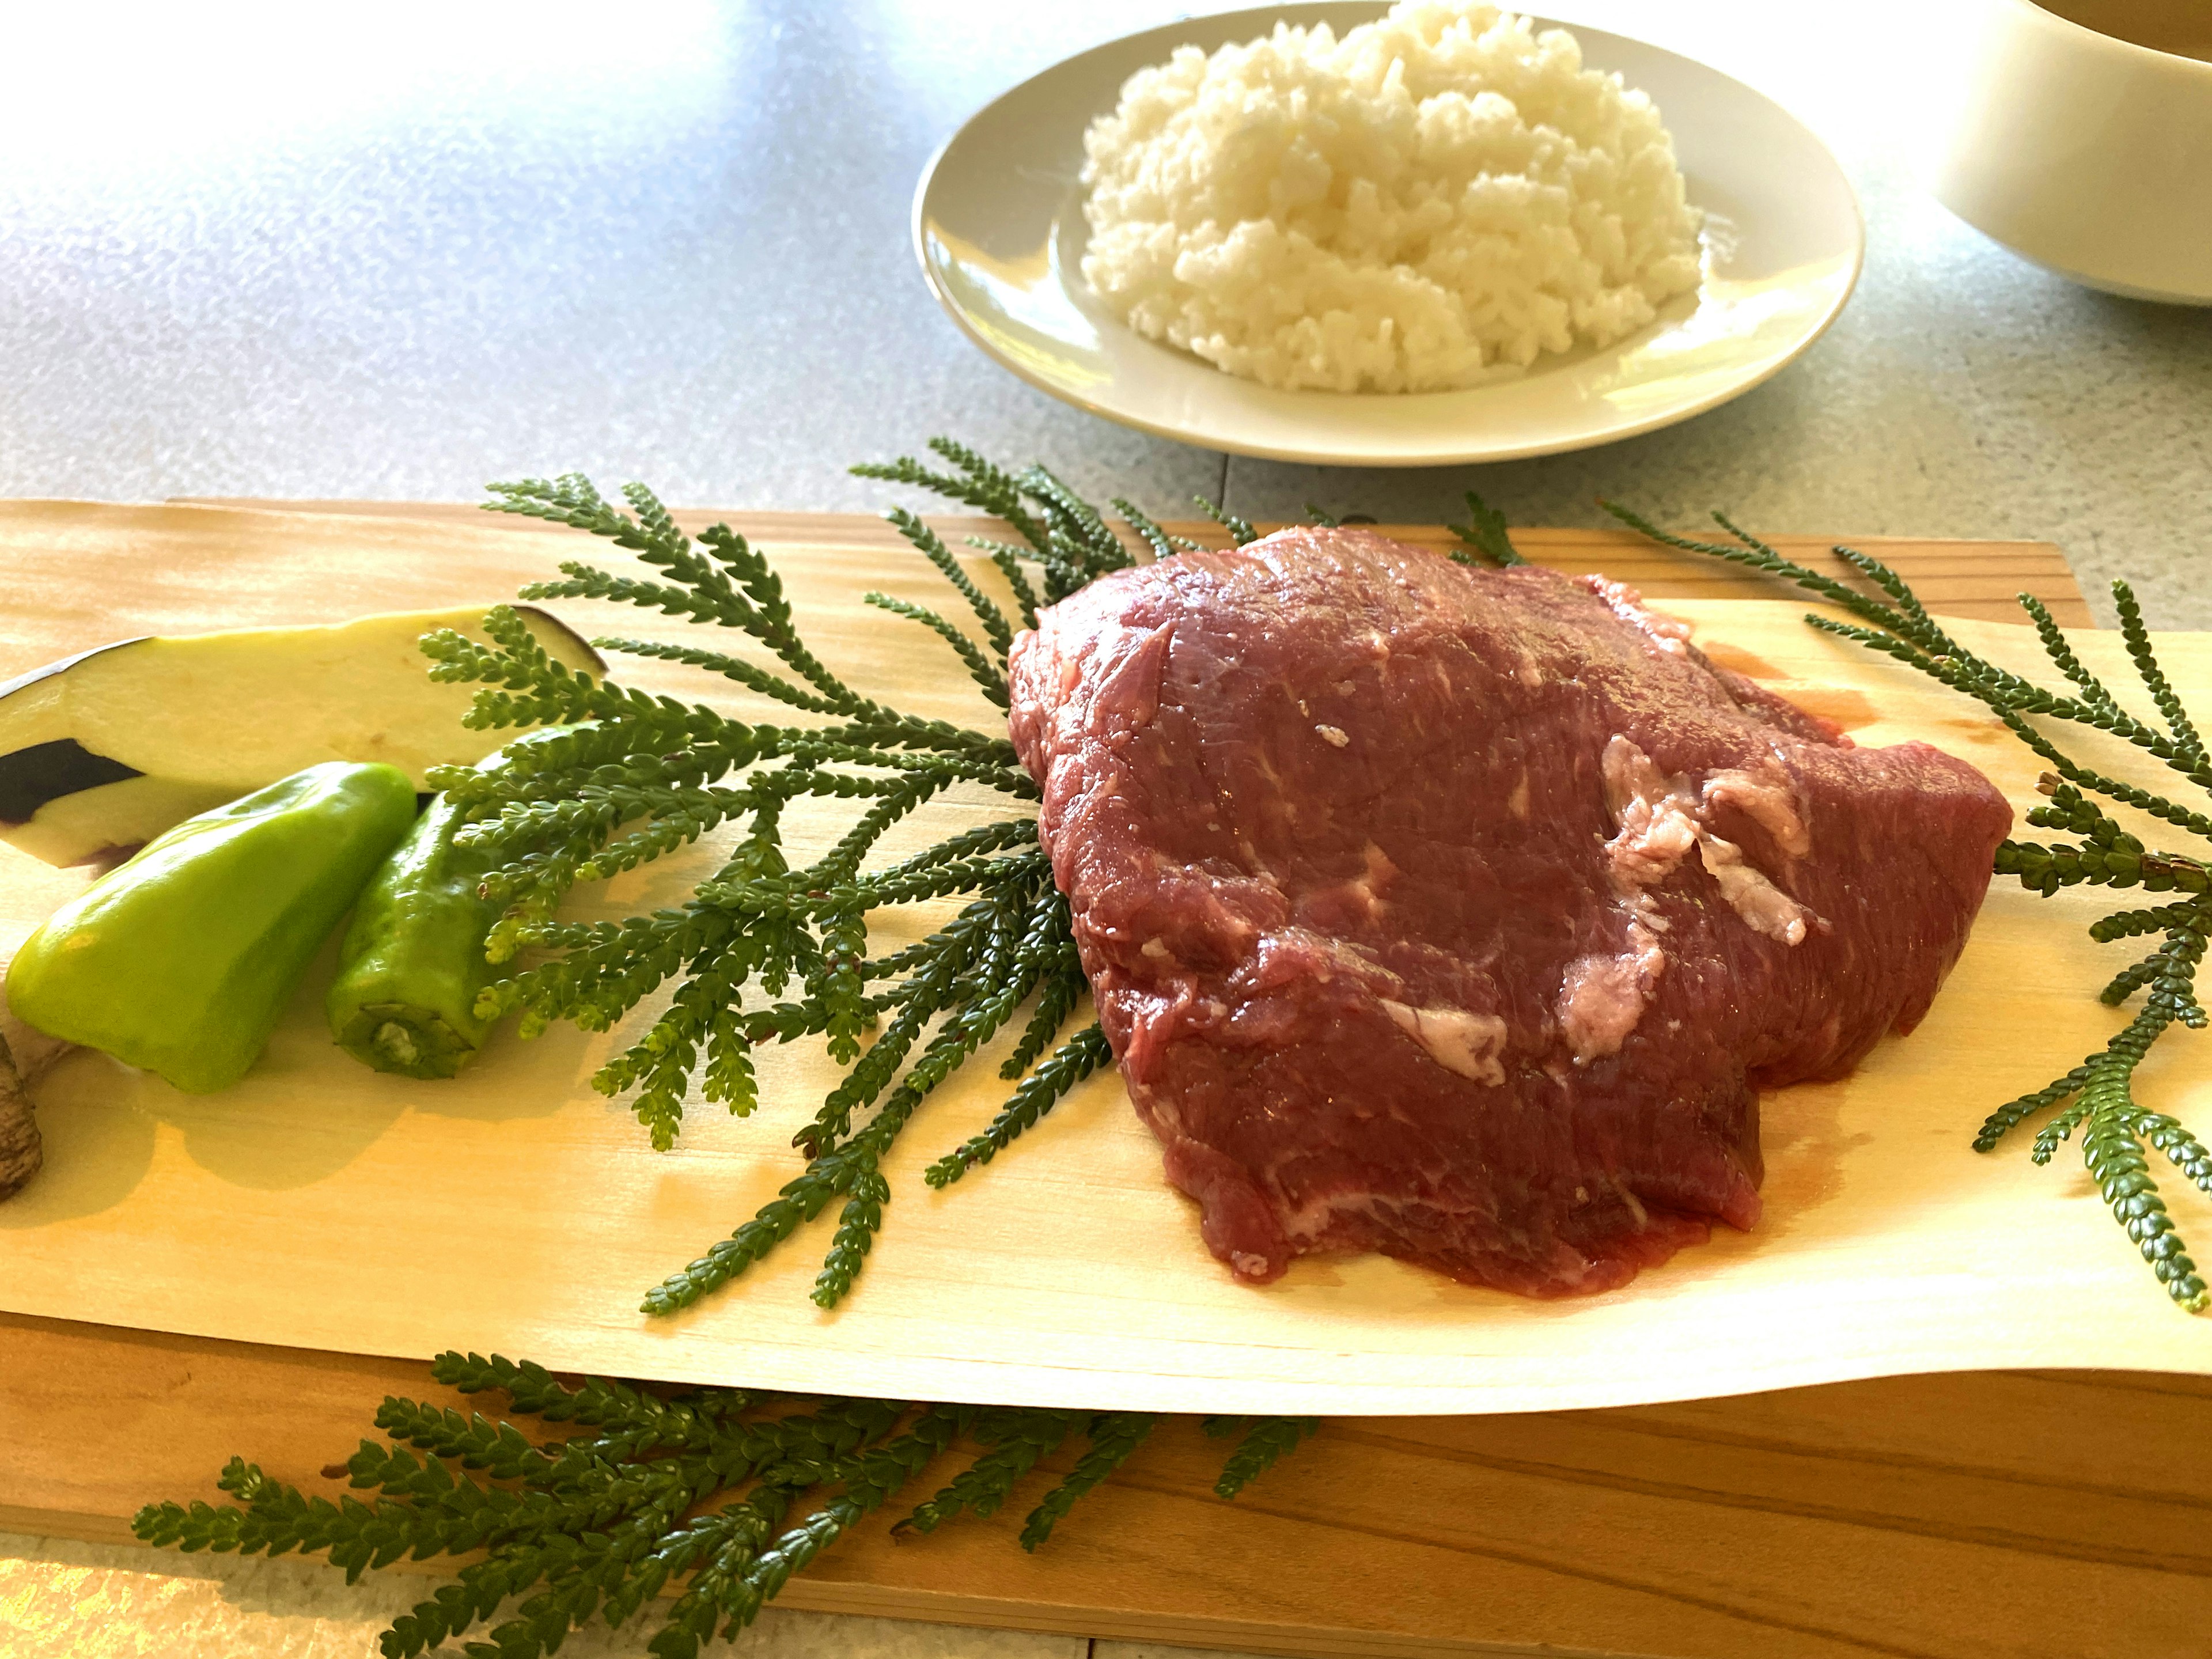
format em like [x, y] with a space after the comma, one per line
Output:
[618, 778]
[612, 779]
[762, 951]
[1262, 1443]
[693, 1493]
[1483, 538]
[2097, 1097]
[705, 1502]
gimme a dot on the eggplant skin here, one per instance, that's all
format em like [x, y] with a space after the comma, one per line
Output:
[104, 750]
[47, 670]
[30, 777]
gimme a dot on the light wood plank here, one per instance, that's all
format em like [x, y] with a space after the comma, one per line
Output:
[2021, 1514]
[535, 1213]
[1953, 578]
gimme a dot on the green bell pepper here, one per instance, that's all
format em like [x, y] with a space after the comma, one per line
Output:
[405, 999]
[181, 960]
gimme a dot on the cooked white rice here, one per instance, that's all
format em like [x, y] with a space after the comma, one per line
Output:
[1425, 205]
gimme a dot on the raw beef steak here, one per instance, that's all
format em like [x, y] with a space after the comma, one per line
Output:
[1460, 914]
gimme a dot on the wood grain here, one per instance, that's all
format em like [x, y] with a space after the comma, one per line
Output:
[534, 1213]
[1947, 1516]
[1955, 578]
[1992, 1516]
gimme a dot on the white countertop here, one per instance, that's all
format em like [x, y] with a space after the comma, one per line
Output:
[310, 255]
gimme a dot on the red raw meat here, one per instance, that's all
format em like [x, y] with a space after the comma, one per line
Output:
[1462, 914]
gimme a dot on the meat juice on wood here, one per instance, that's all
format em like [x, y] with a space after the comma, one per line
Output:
[1460, 914]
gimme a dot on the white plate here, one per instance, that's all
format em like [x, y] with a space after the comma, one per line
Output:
[999, 224]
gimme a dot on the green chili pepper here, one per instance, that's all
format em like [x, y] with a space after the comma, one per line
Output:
[405, 999]
[181, 961]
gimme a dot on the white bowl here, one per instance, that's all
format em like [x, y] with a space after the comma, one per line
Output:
[2083, 140]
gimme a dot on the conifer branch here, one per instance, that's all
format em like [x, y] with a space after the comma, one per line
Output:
[603, 780]
[1262, 1443]
[702, 1503]
[1044, 1089]
[1115, 1438]
[2096, 1097]
[1240, 529]
[934, 549]
[1009, 560]
[1163, 545]
[609, 778]
[1483, 537]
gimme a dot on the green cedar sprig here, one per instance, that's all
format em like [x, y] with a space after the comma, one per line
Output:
[1016, 1441]
[604, 780]
[686, 1500]
[1262, 1441]
[1044, 1088]
[1483, 538]
[2097, 1096]
[1240, 531]
[1163, 545]
[1114, 1438]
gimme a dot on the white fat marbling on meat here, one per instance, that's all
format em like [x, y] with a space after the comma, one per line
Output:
[1654, 816]
[1765, 908]
[1602, 997]
[1461, 1042]
[1156, 1018]
[1769, 801]
[1335, 736]
[1517, 802]
[1284, 954]
[1635, 1204]
[1365, 891]
[1670, 633]
[1381, 871]
[1313, 1217]
[1659, 818]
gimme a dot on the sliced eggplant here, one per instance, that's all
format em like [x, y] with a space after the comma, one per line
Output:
[104, 750]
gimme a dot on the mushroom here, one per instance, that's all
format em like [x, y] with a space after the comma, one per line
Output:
[26, 1056]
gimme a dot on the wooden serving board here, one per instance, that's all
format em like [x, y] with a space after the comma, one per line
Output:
[322, 1206]
[1960, 1516]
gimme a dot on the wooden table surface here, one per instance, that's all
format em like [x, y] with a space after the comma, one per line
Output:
[1981, 1514]
[1964, 1516]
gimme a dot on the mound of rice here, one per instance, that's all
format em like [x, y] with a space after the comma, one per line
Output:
[1425, 205]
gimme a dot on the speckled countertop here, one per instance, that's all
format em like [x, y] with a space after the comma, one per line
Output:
[315, 254]
[395, 252]
[63, 1599]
